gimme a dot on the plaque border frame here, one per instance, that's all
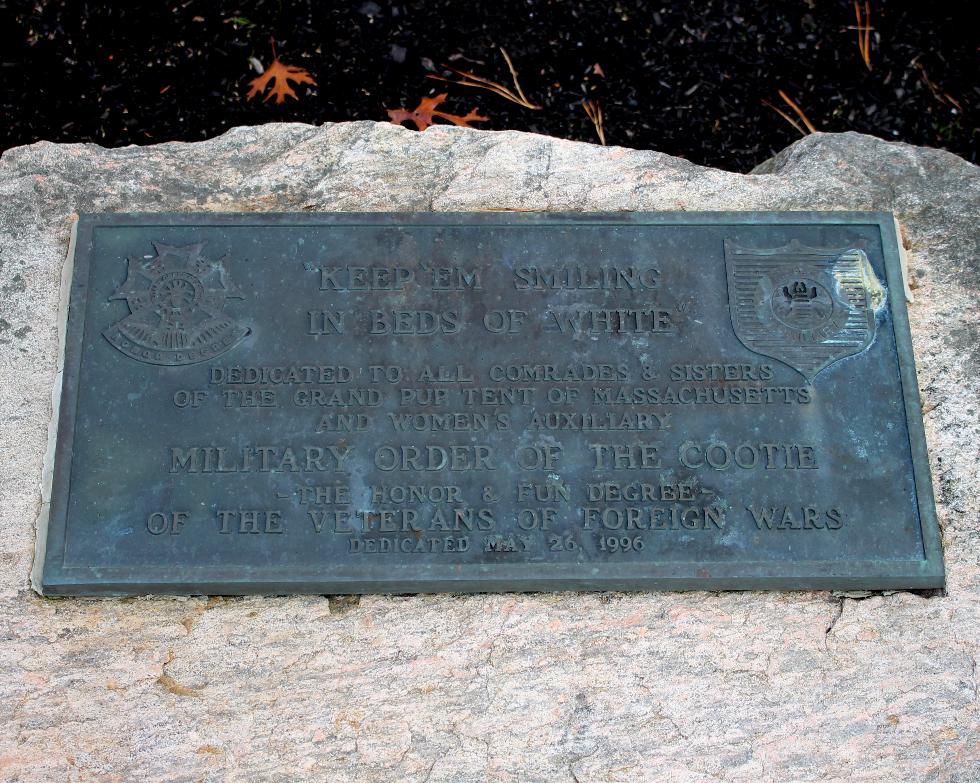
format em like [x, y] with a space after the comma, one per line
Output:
[51, 577]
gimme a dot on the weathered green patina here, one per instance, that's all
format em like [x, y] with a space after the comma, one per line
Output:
[340, 403]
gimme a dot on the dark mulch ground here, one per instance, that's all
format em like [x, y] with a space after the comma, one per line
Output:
[685, 78]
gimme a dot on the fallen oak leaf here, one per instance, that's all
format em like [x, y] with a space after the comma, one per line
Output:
[277, 77]
[426, 112]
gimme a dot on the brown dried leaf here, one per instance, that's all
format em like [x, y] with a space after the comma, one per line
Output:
[426, 112]
[277, 76]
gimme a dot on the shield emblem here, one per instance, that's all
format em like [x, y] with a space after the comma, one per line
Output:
[807, 307]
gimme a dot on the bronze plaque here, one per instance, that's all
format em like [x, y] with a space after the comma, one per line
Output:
[350, 403]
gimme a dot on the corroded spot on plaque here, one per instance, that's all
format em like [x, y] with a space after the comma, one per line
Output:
[807, 307]
[176, 301]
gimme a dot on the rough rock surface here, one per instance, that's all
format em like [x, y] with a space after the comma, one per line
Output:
[681, 687]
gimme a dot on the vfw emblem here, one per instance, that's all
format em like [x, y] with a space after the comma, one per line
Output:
[176, 301]
[807, 307]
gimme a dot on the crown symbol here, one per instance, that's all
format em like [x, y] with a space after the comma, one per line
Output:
[799, 293]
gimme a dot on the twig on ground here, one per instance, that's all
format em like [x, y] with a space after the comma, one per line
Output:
[937, 92]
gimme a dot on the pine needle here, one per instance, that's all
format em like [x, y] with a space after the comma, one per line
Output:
[809, 128]
[863, 15]
[799, 112]
[517, 84]
[472, 80]
[594, 111]
[786, 117]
